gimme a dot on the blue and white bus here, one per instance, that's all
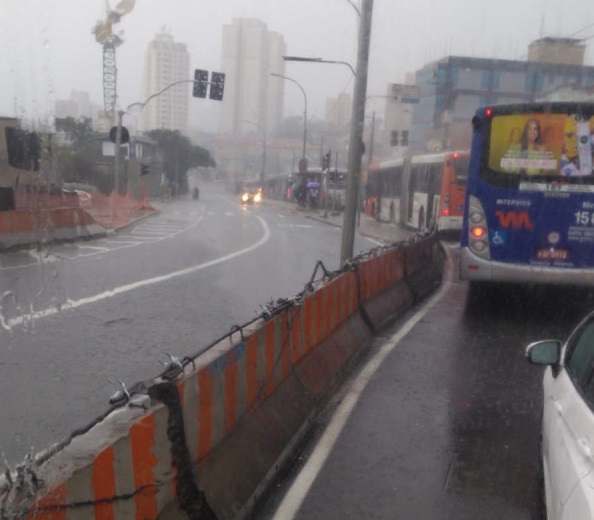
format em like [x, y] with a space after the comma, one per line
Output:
[529, 207]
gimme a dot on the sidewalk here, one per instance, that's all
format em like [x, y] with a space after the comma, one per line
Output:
[384, 232]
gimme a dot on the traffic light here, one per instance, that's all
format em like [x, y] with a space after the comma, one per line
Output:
[144, 169]
[200, 83]
[217, 86]
[394, 138]
[124, 134]
[404, 137]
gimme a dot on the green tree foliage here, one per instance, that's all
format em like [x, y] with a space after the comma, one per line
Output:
[84, 140]
[79, 150]
[179, 155]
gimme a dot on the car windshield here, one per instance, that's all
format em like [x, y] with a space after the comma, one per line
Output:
[176, 176]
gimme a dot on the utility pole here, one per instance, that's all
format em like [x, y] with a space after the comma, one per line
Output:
[369, 159]
[356, 137]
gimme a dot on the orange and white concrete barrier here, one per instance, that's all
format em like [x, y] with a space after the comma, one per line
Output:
[207, 437]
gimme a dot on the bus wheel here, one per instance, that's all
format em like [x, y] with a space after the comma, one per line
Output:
[421, 219]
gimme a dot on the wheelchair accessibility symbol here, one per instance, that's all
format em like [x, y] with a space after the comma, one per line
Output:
[498, 238]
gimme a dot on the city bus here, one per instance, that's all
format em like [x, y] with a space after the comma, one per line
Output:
[436, 190]
[422, 191]
[384, 190]
[529, 208]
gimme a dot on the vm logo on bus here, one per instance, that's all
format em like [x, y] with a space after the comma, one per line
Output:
[514, 219]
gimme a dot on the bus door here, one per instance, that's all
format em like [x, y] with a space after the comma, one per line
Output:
[458, 174]
[412, 182]
[434, 177]
[417, 196]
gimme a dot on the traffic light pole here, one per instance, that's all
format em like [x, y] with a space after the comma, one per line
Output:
[356, 134]
[116, 153]
[118, 141]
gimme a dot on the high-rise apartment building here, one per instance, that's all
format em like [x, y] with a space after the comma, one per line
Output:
[164, 63]
[253, 100]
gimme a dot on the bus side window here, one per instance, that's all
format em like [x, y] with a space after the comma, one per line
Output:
[436, 178]
[413, 185]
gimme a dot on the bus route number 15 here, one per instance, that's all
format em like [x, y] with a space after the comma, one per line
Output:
[584, 218]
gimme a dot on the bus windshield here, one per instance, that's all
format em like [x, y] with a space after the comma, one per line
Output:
[548, 145]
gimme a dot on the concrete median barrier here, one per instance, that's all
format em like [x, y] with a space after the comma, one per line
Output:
[24, 227]
[205, 438]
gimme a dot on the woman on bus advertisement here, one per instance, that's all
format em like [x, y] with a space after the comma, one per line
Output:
[526, 152]
[550, 144]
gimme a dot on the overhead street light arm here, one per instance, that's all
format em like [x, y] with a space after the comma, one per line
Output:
[143, 103]
[118, 140]
[355, 7]
[319, 60]
[304, 110]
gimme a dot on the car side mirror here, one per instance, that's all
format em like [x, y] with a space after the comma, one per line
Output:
[546, 352]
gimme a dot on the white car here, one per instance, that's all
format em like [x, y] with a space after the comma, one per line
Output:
[568, 422]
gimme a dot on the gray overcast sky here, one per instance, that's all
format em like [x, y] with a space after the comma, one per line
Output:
[47, 49]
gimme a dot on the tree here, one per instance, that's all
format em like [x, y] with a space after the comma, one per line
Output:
[179, 155]
[76, 158]
[84, 140]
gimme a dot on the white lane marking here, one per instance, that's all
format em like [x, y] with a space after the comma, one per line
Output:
[44, 257]
[295, 226]
[298, 491]
[147, 233]
[229, 214]
[73, 304]
[373, 241]
[113, 243]
[97, 248]
[143, 240]
[163, 227]
[123, 241]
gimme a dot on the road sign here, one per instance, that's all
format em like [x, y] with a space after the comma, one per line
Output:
[405, 93]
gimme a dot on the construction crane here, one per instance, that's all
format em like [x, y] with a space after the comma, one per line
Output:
[105, 36]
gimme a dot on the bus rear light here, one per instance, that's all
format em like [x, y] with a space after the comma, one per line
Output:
[479, 246]
[445, 212]
[475, 217]
[488, 112]
[478, 232]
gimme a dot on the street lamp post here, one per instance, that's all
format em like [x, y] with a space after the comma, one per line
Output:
[356, 137]
[369, 159]
[356, 131]
[304, 109]
[118, 139]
